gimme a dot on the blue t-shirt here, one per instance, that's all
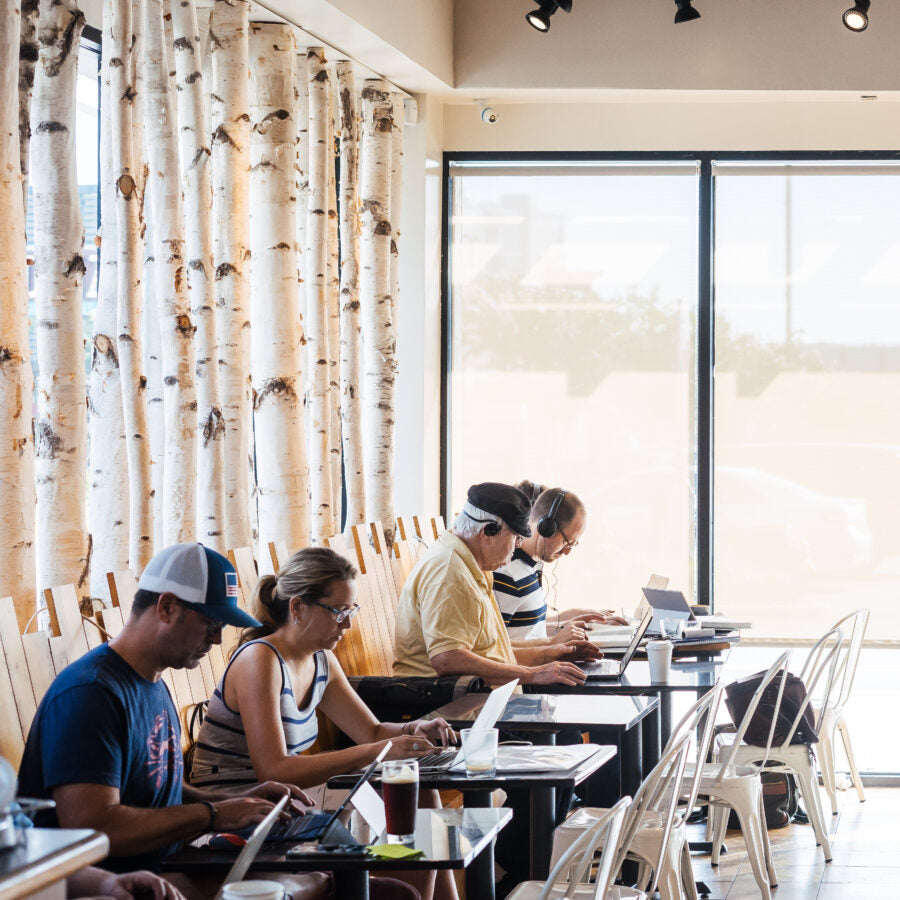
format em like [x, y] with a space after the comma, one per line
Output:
[102, 723]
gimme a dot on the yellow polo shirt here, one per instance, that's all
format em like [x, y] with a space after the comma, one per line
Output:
[447, 603]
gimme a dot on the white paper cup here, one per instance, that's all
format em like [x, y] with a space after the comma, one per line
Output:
[253, 890]
[659, 655]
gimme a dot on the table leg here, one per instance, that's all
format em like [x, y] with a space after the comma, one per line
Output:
[477, 799]
[543, 822]
[665, 718]
[351, 884]
[650, 741]
[480, 875]
[631, 761]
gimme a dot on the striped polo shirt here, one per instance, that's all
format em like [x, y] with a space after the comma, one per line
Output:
[520, 596]
[221, 757]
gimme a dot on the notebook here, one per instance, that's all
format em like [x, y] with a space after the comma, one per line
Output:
[611, 669]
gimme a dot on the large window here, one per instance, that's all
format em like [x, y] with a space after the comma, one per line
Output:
[573, 352]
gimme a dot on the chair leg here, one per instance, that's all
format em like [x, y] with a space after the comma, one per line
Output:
[752, 827]
[767, 845]
[669, 882]
[809, 790]
[848, 749]
[719, 826]
[687, 873]
[825, 756]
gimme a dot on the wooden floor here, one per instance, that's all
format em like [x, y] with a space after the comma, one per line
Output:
[865, 844]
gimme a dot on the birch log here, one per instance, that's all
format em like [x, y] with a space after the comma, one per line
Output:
[128, 170]
[231, 162]
[153, 372]
[176, 332]
[302, 84]
[108, 464]
[319, 406]
[282, 472]
[379, 362]
[28, 56]
[193, 129]
[333, 288]
[16, 444]
[397, 117]
[351, 422]
[60, 429]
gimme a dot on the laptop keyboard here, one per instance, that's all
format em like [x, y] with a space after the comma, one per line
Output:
[307, 827]
[438, 758]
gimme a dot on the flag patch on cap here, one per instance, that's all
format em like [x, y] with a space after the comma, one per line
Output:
[231, 584]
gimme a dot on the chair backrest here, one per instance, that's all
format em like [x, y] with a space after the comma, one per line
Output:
[658, 793]
[854, 625]
[698, 724]
[819, 671]
[575, 864]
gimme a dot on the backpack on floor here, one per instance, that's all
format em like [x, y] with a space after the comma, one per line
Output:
[779, 800]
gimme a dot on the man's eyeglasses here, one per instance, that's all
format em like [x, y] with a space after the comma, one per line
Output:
[340, 615]
[570, 545]
[213, 626]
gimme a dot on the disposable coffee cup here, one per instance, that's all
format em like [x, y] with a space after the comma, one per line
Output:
[253, 890]
[480, 751]
[659, 655]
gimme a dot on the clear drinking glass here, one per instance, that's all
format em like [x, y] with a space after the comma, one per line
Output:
[400, 789]
[480, 750]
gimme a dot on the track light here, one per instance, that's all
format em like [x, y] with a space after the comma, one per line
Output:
[540, 18]
[857, 17]
[686, 12]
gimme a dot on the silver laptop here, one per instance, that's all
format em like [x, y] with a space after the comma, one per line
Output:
[252, 847]
[611, 669]
[443, 760]
[666, 605]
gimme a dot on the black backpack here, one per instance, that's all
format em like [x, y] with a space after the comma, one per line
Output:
[738, 695]
[780, 802]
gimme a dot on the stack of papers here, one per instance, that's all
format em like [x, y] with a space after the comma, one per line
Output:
[722, 623]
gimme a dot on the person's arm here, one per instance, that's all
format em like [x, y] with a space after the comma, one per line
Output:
[585, 616]
[465, 662]
[93, 882]
[256, 678]
[132, 830]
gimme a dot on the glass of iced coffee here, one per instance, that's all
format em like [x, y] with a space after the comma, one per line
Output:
[400, 788]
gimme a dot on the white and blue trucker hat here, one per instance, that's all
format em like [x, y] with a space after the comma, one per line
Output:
[199, 577]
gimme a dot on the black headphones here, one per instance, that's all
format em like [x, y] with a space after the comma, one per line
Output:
[490, 529]
[547, 525]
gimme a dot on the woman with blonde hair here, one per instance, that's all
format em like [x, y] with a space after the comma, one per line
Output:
[262, 715]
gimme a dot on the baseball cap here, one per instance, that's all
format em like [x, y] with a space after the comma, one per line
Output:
[199, 577]
[505, 501]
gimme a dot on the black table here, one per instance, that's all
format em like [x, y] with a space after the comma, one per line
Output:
[450, 839]
[687, 676]
[541, 787]
[610, 719]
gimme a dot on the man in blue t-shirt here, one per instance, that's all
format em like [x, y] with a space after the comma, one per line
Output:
[105, 743]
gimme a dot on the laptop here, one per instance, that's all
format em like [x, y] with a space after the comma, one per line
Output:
[612, 669]
[615, 636]
[324, 826]
[252, 847]
[441, 761]
[673, 605]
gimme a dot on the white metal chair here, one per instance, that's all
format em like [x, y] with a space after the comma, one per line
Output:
[647, 833]
[571, 874]
[798, 759]
[832, 715]
[729, 786]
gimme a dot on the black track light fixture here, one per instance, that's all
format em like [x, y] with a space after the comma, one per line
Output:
[685, 12]
[539, 18]
[857, 17]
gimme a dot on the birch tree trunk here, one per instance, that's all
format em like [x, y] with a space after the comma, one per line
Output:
[302, 85]
[193, 129]
[351, 421]
[127, 167]
[379, 362]
[176, 332]
[231, 162]
[282, 471]
[108, 482]
[397, 116]
[153, 371]
[334, 323]
[28, 56]
[16, 444]
[319, 406]
[63, 554]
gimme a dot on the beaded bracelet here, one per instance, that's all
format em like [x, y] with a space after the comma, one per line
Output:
[210, 825]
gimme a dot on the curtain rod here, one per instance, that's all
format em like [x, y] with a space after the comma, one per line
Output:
[320, 40]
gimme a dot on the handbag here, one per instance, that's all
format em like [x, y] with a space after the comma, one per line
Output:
[738, 695]
[394, 699]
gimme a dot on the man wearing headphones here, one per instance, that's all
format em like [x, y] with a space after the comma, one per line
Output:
[557, 522]
[448, 622]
